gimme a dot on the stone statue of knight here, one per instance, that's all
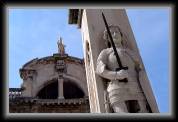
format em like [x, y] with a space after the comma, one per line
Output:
[124, 97]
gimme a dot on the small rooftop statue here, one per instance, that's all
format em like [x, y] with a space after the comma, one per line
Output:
[61, 47]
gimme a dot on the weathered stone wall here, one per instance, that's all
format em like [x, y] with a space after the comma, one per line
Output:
[92, 28]
[45, 73]
[41, 106]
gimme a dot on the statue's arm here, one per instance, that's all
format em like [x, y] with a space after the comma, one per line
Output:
[114, 75]
[104, 72]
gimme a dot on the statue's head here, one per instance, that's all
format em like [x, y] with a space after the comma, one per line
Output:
[116, 34]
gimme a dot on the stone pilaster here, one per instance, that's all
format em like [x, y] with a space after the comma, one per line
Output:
[60, 88]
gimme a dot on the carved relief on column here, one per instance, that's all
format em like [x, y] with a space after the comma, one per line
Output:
[60, 67]
[123, 91]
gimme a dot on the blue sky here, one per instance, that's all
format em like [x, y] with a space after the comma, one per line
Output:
[34, 33]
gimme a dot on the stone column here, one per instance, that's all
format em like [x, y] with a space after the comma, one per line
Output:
[92, 28]
[60, 88]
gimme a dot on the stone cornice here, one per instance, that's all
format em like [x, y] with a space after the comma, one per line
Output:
[24, 100]
[51, 60]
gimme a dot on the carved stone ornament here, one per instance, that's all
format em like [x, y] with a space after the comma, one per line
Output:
[60, 66]
[122, 96]
[27, 73]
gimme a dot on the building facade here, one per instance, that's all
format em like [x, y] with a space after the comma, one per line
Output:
[51, 84]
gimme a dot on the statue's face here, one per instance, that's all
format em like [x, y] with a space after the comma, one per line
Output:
[116, 35]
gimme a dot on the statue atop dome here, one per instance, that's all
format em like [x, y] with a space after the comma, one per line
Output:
[61, 47]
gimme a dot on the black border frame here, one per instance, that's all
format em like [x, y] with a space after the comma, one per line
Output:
[3, 7]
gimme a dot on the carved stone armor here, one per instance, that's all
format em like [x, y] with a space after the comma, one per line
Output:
[123, 96]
